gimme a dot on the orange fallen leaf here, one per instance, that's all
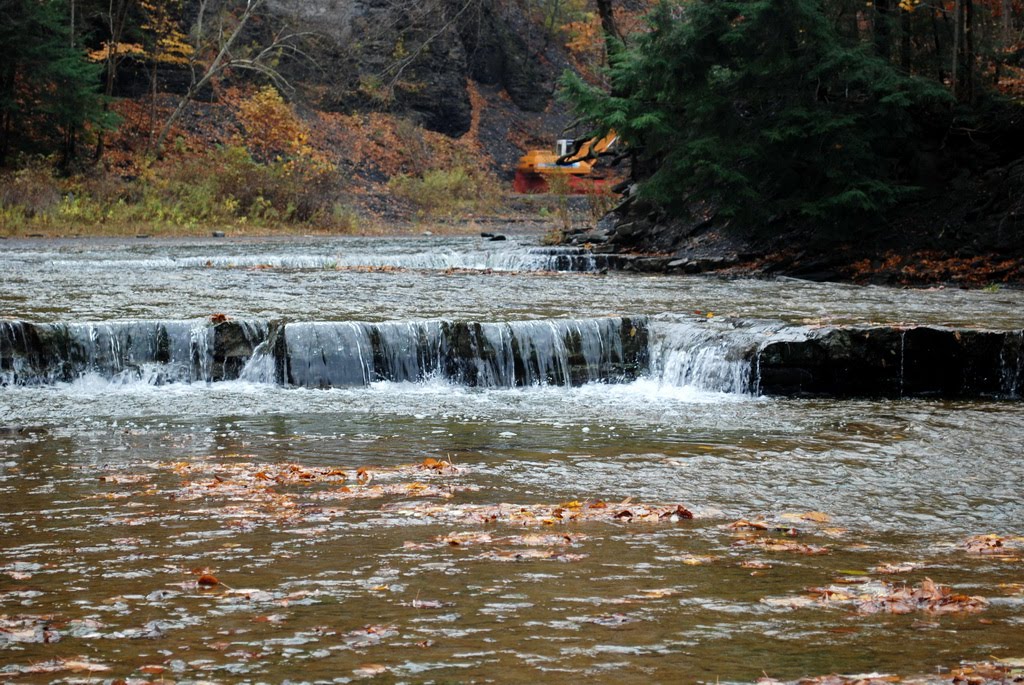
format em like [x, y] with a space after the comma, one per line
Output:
[744, 523]
[207, 580]
[813, 516]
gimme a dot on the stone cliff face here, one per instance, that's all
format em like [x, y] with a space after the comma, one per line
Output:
[415, 58]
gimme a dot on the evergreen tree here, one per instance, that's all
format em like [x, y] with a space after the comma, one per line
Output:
[759, 108]
[49, 91]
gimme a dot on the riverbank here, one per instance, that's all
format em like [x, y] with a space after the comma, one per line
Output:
[920, 248]
[910, 253]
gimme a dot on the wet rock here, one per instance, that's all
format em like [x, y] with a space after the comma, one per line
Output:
[591, 238]
[893, 362]
[647, 264]
[234, 343]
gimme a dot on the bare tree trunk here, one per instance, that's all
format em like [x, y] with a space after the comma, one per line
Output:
[608, 25]
[938, 45]
[1007, 23]
[152, 107]
[906, 46]
[963, 51]
[9, 76]
[882, 28]
[117, 16]
[68, 147]
[954, 74]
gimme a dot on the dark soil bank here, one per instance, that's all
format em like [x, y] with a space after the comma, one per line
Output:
[964, 227]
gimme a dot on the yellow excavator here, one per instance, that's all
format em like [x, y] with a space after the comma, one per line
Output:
[571, 159]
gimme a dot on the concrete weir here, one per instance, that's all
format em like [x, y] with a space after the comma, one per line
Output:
[327, 354]
[888, 361]
[737, 356]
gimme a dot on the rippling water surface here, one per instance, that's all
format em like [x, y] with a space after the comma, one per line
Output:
[430, 532]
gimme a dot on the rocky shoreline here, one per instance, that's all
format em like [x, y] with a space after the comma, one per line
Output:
[654, 246]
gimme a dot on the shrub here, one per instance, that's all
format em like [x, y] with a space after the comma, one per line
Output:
[32, 190]
[444, 192]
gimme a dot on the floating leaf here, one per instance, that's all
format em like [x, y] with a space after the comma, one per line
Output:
[754, 525]
[985, 544]
[813, 516]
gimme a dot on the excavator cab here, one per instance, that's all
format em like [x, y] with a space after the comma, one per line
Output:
[571, 160]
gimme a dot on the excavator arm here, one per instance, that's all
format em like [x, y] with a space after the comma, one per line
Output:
[573, 160]
[588, 149]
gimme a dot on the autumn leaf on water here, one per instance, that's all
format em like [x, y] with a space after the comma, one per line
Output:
[756, 564]
[770, 544]
[83, 666]
[991, 544]
[462, 539]
[694, 559]
[877, 597]
[753, 525]
[207, 581]
[812, 516]
[530, 554]
[438, 465]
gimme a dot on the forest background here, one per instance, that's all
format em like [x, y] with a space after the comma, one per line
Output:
[760, 123]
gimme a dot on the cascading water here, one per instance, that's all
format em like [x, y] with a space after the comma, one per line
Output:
[705, 354]
[720, 355]
[1012, 359]
[556, 352]
[329, 354]
[510, 258]
[432, 501]
[121, 352]
[261, 365]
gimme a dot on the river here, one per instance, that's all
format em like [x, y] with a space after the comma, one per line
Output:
[492, 522]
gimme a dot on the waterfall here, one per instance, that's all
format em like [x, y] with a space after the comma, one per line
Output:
[261, 366]
[151, 352]
[706, 354]
[713, 355]
[1011, 358]
[555, 352]
[201, 352]
[15, 360]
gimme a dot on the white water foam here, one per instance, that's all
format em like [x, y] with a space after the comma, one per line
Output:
[511, 259]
